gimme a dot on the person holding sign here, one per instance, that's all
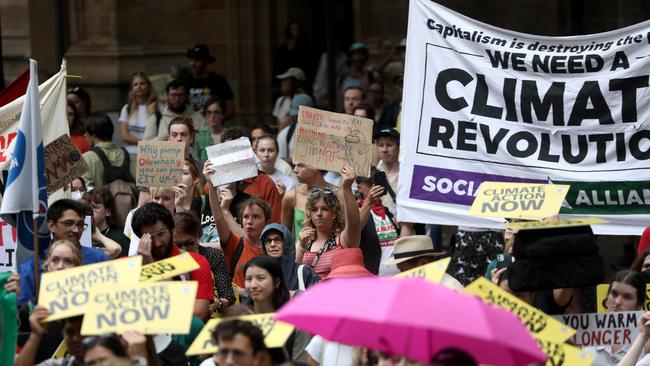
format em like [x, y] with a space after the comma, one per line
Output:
[627, 292]
[255, 213]
[44, 339]
[267, 152]
[332, 223]
[65, 221]
[154, 225]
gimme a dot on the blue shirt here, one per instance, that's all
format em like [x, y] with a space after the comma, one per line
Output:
[26, 272]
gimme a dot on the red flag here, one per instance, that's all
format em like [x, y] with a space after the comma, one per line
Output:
[15, 89]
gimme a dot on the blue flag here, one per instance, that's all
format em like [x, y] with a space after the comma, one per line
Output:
[25, 196]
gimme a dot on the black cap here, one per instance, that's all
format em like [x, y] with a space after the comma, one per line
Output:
[390, 132]
[200, 51]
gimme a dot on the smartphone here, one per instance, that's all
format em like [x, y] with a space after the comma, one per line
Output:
[379, 179]
[504, 260]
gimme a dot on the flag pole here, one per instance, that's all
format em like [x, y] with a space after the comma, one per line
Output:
[36, 258]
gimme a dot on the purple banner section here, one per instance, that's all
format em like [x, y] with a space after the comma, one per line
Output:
[453, 186]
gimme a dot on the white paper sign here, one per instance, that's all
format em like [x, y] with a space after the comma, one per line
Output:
[7, 247]
[232, 161]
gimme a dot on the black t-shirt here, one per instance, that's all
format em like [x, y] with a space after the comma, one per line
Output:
[200, 90]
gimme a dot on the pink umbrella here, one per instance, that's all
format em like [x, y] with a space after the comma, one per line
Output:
[412, 318]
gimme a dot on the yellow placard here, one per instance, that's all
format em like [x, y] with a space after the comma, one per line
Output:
[151, 308]
[275, 333]
[168, 268]
[562, 354]
[528, 225]
[61, 351]
[518, 200]
[601, 297]
[66, 293]
[539, 324]
[432, 272]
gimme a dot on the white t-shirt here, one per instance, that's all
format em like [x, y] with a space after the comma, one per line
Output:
[282, 106]
[330, 353]
[137, 122]
[285, 151]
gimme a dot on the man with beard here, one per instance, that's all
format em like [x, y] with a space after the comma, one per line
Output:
[154, 224]
[158, 124]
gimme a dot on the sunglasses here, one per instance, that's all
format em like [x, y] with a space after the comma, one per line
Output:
[315, 192]
[184, 243]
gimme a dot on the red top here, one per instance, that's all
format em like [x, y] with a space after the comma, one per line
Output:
[644, 242]
[249, 252]
[81, 142]
[324, 264]
[202, 275]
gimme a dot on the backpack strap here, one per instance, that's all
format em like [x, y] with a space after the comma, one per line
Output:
[158, 118]
[105, 162]
[236, 256]
[290, 132]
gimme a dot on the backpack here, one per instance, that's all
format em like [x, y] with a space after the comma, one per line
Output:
[120, 182]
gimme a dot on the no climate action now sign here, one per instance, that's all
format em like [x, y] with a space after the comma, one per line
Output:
[480, 100]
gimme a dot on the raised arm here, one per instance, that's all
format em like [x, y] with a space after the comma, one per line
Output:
[215, 205]
[373, 196]
[288, 204]
[351, 235]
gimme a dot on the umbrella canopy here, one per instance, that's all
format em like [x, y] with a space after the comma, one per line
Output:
[412, 318]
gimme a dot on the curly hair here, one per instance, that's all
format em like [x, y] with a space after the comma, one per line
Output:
[332, 201]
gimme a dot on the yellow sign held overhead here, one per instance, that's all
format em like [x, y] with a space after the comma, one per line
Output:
[151, 308]
[432, 272]
[539, 324]
[275, 333]
[168, 268]
[528, 225]
[518, 200]
[66, 293]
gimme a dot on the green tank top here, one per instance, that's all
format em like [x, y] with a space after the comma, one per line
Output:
[298, 218]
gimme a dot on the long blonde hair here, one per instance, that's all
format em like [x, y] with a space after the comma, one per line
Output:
[152, 99]
[76, 251]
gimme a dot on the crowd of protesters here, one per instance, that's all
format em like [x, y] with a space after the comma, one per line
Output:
[274, 235]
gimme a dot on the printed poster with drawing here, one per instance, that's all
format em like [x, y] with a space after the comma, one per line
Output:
[328, 141]
[232, 161]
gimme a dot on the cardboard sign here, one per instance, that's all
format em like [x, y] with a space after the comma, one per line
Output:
[151, 308]
[603, 329]
[63, 163]
[555, 224]
[7, 247]
[232, 161]
[327, 140]
[562, 354]
[275, 333]
[66, 293]
[538, 323]
[601, 297]
[518, 200]
[432, 272]
[160, 163]
[168, 268]
[61, 351]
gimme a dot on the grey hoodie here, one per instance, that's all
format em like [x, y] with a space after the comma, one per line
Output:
[288, 260]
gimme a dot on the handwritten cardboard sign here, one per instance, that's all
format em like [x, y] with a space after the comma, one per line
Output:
[538, 323]
[432, 272]
[233, 161]
[518, 200]
[160, 163]
[63, 163]
[66, 292]
[328, 141]
[168, 268]
[603, 329]
[601, 297]
[8, 237]
[275, 333]
[529, 225]
[152, 308]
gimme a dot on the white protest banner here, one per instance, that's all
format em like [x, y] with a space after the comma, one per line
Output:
[603, 329]
[233, 160]
[7, 247]
[488, 104]
[52, 94]
[328, 141]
